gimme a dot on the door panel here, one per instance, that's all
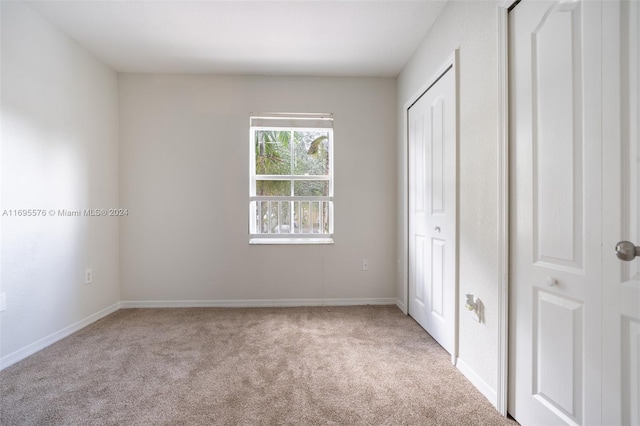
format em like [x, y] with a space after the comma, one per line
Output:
[438, 284]
[432, 210]
[557, 138]
[418, 275]
[557, 365]
[437, 158]
[631, 365]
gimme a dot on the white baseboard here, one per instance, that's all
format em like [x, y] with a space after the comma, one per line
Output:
[38, 345]
[252, 303]
[401, 305]
[478, 382]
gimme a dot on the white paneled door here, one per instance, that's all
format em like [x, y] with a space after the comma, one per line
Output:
[555, 134]
[575, 307]
[432, 207]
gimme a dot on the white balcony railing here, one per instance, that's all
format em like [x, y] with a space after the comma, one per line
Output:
[291, 217]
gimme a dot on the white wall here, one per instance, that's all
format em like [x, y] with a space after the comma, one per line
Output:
[184, 163]
[59, 151]
[470, 26]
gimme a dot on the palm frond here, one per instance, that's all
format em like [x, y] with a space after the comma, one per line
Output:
[313, 148]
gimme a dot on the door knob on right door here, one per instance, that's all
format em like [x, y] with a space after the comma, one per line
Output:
[627, 251]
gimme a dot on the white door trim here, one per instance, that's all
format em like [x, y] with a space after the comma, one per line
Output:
[450, 63]
[502, 391]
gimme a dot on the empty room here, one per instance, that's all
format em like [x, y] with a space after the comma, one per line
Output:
[320, 212]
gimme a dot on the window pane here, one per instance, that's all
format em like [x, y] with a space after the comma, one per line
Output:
[302, 216]
[273, 188]
[263, 213]
[285, 218]
[311, 153]
[274, 217]
[316, 220]
[325, 218]
[311, 188]
[273, 152]
[311, 217]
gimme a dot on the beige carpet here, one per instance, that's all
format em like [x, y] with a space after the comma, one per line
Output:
[300, 366]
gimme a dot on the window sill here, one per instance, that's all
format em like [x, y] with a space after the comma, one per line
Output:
[280, 241]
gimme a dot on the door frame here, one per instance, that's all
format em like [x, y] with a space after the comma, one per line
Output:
[451, 64]
[502, 391]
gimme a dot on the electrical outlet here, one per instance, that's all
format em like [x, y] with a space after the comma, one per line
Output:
[3, 302]
[365, 264]
[88, 276]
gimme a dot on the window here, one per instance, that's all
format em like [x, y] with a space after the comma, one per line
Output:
[291, 179]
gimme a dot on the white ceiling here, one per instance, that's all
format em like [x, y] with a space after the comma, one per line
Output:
[323, 37]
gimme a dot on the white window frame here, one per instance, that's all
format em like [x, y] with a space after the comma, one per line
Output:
[290, 122]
